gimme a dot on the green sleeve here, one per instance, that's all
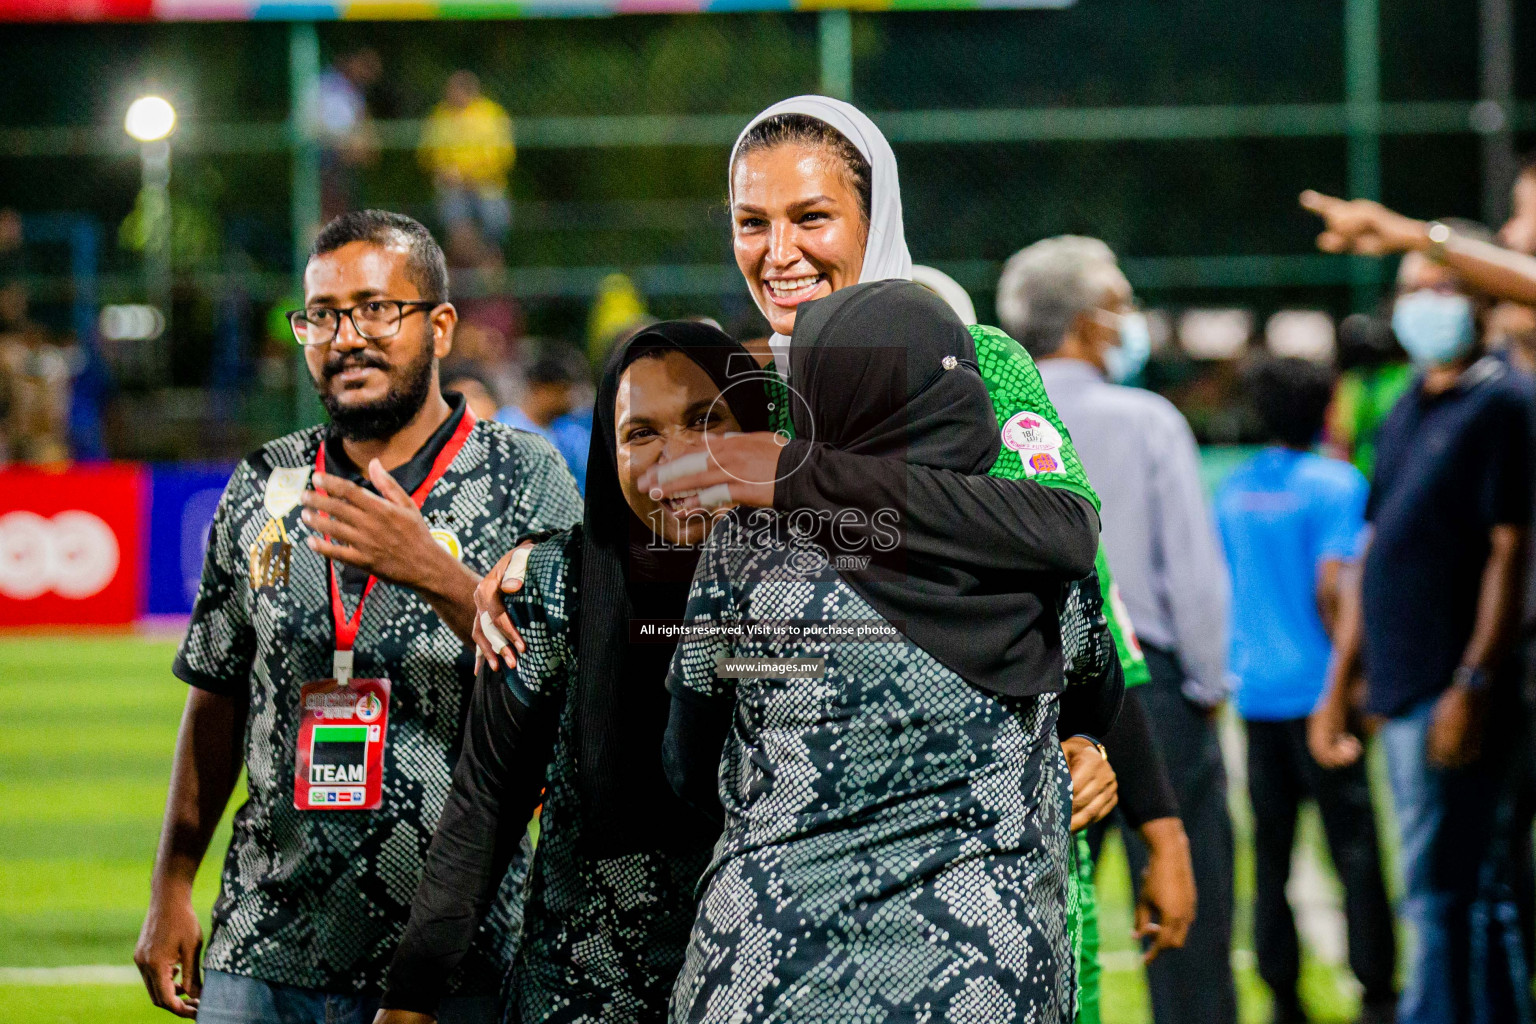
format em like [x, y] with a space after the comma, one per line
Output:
[1083, 927]
[1018, 397]
[1036, 444]
[778, 402]
[1132, 661]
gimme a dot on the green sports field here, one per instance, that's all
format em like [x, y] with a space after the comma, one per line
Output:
[86, 731]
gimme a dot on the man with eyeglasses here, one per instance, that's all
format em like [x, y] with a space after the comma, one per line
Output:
[327, 654]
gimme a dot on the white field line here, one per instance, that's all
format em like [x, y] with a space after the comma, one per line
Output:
[84, 974]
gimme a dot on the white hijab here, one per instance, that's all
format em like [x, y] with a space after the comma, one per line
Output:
[948, 289]
[885, 253]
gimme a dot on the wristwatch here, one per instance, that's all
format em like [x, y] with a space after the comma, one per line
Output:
[1470, 676]
[1438, 233]
[1094, 740]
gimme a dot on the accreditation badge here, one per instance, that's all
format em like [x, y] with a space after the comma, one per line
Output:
[340, 757]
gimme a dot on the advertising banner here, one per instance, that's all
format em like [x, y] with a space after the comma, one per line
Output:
[430, 10]
[71, 545]
[181, 506]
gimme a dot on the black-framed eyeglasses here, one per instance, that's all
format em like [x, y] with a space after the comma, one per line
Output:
[373, 320]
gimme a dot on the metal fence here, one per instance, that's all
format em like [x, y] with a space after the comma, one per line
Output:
[1179, 133]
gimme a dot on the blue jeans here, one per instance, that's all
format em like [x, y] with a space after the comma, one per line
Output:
[488, 209]
[236, 999]
[1467, 965]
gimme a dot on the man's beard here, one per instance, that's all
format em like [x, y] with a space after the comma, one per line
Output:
[380, 420]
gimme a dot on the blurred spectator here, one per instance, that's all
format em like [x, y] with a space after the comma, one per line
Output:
[1511, 330]
[1493, 273]
[348, 141]
[618, 309]
[12, 297]
[1375, 375]
[1511, 327]
[479, 394]
[35, 378]
[12, 256]
[467, 148]
[1291, 524]
[490, 330]
[1434, 628]
[1069, 304]
[547, 407]
[1519, 232]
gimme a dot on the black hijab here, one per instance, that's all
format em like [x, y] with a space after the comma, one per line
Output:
[621, 697]
[887, 369]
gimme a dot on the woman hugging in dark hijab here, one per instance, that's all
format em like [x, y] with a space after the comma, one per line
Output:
[896, 804]
[580, 717]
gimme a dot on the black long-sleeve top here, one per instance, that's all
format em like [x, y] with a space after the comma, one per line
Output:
[496, 787]
[980, 523]
[1146, 793]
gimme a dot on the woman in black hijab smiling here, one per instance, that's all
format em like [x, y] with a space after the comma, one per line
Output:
[895, 843]
[581, 715]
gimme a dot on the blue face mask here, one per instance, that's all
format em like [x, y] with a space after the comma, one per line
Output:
[1434, 328]
[1127, 359]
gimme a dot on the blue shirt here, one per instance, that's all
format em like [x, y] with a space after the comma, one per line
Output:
[571, 435]
[1282, 514]
[1449, 468]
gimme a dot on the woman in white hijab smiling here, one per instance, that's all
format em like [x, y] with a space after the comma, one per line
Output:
[794, 243]
[816, 207]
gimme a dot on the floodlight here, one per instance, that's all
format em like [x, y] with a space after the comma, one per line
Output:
[150, 119]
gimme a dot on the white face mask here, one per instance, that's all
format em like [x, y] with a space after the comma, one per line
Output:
[1434, 328]
[1128, 358]
[1125, 360]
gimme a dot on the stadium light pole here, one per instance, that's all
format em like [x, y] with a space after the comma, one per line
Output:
[305, 207]
[1362, 111]
[150, 121]
[835, 27]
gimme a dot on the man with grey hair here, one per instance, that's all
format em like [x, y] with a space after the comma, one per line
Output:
[1067, 301]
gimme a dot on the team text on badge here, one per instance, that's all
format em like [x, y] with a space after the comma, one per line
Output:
[339, 762]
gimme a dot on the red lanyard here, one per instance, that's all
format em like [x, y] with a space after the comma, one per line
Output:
[346, 628]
